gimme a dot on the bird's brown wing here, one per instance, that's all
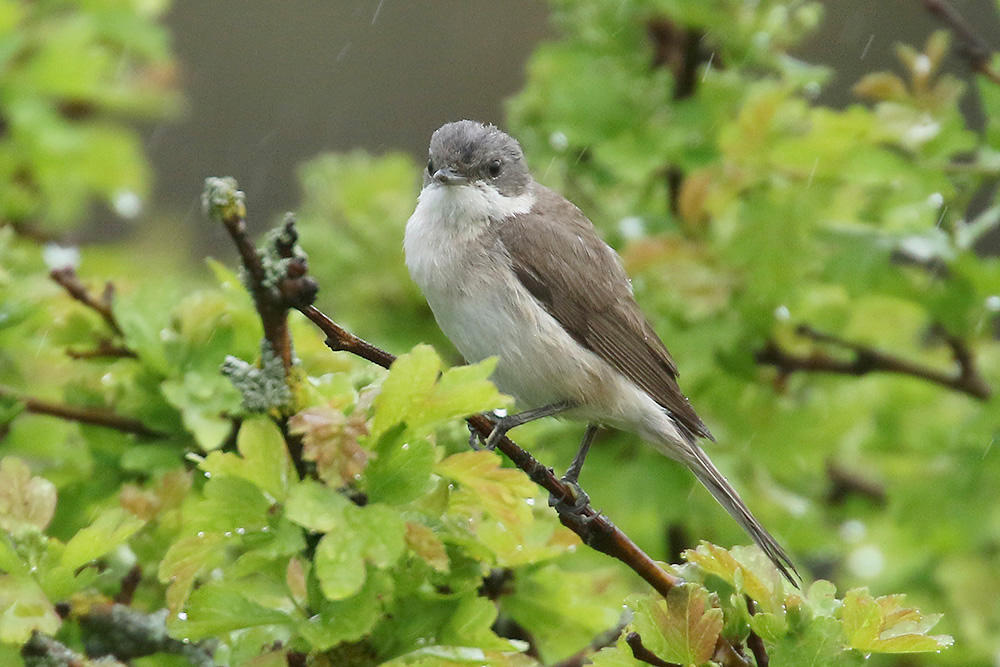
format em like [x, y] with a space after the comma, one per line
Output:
[595, 305]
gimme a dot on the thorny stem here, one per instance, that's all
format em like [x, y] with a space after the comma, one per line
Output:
[91, 416]
[870, 360]
[975, 49]
[66, 277]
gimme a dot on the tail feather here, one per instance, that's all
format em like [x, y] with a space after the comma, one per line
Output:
[709, 475]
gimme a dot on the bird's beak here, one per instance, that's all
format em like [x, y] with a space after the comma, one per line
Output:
[448, 176]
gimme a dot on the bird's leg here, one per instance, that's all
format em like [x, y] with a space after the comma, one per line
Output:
[475, 437]
[505, 424]
[577, 499]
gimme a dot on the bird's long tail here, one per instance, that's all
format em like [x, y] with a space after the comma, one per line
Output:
[709, 475]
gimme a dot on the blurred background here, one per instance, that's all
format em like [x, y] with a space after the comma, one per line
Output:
[273, 84]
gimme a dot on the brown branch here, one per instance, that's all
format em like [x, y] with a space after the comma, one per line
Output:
[603, 640]
[870, 360]
[845, 483]
[974, 48]
[298, 291]
[94, 417]
[643, 654]
[595, 529]
[66, 277]
[223, 201]
[754, 642]
[130, 582]
[105, 349]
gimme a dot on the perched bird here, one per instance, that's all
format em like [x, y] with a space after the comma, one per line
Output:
[512, 269]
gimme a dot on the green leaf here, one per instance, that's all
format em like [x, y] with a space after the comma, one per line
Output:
[111, 529]
[264, 458]
[25, 501]
[821, 644]
[215, 609]
[501, 491]
[374, 534]
[204, 399]
[348, 619]
[883, 625]
[24, 609]
[231, 504]
[317, 507]
[565, 610]
[413, 395]
[401, 469]
[683, 628]
[183, 561]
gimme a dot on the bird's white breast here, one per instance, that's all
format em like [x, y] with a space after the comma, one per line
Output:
[477, 300]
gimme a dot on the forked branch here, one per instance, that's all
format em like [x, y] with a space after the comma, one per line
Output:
[868, 359]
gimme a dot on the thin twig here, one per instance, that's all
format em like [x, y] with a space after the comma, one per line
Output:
[272, 309]
[105, 349]
[643, 654]
[974, 48]
[754, 642]
[870, 360]
[594, 529]
[845, 483]
[603, 640]
[91, 416]
[66, 277]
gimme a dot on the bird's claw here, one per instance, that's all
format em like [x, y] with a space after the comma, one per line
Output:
[573, 501]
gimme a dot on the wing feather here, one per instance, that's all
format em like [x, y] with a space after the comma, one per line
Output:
[596, 306]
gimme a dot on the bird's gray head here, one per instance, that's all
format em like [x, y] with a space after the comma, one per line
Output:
[467, 152]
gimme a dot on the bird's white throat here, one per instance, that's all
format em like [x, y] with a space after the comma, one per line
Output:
[461, 207]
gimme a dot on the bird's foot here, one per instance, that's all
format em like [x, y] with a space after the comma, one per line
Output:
[477, 441]
[573, 501]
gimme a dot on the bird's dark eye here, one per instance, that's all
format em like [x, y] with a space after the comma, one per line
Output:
[493, 168]
[430, 166]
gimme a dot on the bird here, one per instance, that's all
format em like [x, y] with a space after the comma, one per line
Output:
[512, 269]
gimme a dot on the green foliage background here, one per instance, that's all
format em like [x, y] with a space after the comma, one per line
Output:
[742, 208]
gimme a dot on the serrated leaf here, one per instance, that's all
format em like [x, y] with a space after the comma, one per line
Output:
[316, 507]
[413, 394]
[374, 534]
[263, 458]
[110, 530]
[401, 469]
[24, 609]
[24, 500]
[349, 619]
[821, 644]
[215, 609]
[501, 491]
[231, 504]
[422, 541]
[883, 625]
[746, 569]
[330, 439]
[682, 628]
[182, 563]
